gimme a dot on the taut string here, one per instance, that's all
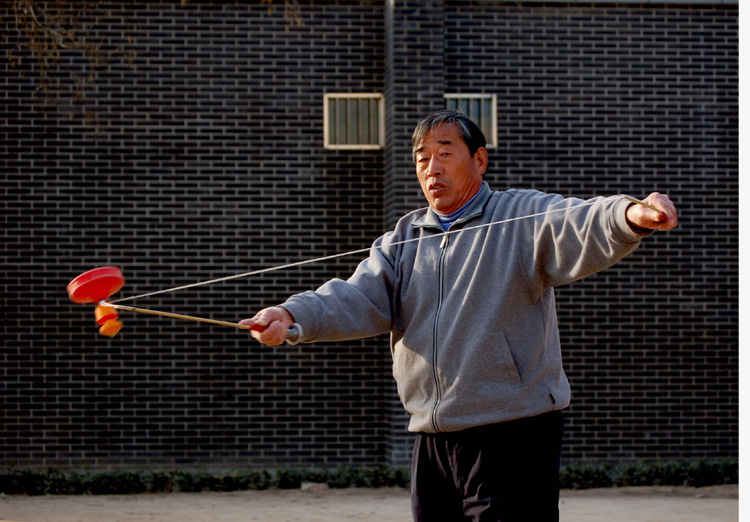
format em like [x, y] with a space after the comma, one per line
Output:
[344, 254]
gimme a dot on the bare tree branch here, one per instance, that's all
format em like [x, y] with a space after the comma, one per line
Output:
[45, 29]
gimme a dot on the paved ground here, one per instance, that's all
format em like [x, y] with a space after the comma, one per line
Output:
[667, 504]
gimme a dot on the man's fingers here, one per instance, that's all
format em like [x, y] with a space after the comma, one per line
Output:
[668, 218]
[656, 212]
[273, 335]
[270, 330]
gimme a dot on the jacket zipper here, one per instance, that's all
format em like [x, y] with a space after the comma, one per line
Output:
[438, 391]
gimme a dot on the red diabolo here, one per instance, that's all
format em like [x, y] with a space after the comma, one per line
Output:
[95, 286]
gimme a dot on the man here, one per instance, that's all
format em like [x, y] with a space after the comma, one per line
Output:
[465, 289]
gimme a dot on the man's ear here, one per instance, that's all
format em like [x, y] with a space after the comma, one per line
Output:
[481, 158]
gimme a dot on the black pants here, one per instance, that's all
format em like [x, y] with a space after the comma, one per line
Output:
[507, 472]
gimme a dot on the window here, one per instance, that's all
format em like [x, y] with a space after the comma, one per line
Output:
[481, 108]
[354, 121]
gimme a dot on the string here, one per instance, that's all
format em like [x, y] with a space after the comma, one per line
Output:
[342, 254]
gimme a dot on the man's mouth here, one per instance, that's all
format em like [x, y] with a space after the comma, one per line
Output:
[436, 189]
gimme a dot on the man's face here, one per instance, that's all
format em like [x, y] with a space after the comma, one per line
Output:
[448, 174]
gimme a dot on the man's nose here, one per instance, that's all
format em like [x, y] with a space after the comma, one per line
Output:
[435, 168]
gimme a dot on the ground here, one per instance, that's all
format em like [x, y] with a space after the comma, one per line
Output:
[664, 504]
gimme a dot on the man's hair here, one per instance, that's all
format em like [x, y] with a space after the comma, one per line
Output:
[469, 131]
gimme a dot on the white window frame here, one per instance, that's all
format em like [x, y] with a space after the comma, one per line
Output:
[327, 97]
[491, 137]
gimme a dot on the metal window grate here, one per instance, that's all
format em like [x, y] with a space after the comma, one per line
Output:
[481, 108]
[354, 121]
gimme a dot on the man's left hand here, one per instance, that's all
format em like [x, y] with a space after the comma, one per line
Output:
[643, 217]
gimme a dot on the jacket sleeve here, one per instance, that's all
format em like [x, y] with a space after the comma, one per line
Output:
[575, 238]
[353, 309]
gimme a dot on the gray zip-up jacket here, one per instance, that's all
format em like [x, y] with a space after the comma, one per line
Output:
[471, 311]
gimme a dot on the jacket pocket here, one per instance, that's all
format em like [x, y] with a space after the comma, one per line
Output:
[508, 369]
[486, 369]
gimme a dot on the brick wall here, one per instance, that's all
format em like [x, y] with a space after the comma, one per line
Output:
[627, 99]
[204, 159]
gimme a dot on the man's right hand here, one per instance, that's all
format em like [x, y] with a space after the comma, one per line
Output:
[276, 319]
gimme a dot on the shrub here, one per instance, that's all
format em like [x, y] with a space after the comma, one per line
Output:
[696, 473]
[53, 481]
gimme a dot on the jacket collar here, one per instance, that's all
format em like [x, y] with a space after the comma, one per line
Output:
[430, 219]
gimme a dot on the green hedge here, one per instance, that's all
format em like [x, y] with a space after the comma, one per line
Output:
[695, 473]
[576, 476]
[56, 482]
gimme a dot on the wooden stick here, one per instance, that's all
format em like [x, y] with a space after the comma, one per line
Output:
[662, 215]
[181, 316]
[292, 334]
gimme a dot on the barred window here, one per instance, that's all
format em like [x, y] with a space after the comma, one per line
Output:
[481, 108]
[353, 121]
